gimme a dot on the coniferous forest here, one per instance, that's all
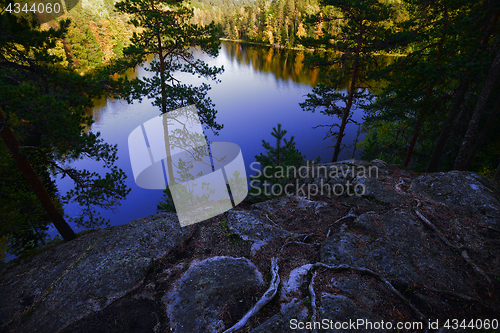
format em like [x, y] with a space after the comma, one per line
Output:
[434, 107]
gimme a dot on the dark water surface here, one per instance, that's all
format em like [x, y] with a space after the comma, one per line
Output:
[259, 88]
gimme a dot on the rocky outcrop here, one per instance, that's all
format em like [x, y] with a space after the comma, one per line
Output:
[206, 289]
[393, 248]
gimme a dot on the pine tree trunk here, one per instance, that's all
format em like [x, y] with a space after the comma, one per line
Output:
[448, 124]
[468, 141]
[347, 109]
[170, 164]
[483, 135]
[497, 173]
[413, 141]
[35, 182]
[161, 56]
[457, 102]
[422, 115]
[416, 131]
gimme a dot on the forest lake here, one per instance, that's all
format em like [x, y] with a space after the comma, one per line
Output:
[260, 87]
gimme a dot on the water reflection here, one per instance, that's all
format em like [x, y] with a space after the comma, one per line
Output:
[260, 88]
[286, 65]
[290, 65]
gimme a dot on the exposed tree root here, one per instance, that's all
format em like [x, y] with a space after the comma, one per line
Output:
[350, 214]
[463, 297]
[274, 284]
[266, 298]
[294, 242]
[398, 185]
[490, 228]
[379, 277]
[437, 232]
[478, 269]
[271, 221]
[454, 294]
[290, 240]
[465, 255]
[313, 302]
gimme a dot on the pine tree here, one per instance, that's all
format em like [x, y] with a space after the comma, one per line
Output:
[277, 158]
[167, 34]
[432, 91]
[42, 116]
[359, 40]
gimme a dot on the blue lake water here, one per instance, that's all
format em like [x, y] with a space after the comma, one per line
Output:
[259, 88]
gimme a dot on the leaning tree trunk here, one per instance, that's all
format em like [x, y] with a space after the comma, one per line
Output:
[497, 173]
[413, 141]
[34, 181]
[456, 103]
[423, 113]
[448, 124]
[468, 141]
[483, 135]
[418, 126]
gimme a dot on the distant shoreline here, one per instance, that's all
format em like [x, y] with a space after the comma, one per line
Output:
[297, 48]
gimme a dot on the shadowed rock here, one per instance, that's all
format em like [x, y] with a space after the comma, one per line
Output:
[466, 190]
[205, 290]
[109, 268]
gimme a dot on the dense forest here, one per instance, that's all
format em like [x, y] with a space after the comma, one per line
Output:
[280, 23]
[434, 108]
[99, 32]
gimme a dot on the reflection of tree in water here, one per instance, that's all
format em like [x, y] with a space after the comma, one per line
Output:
[194, 145]
[288, 64]
[195, 201]
[188, 158]
[183, 133]
[238, 187]
[197, 183]
[186, 195]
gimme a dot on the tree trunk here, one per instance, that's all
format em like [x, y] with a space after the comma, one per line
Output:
[497, 173]
[422, 115]
[34, 181]
[457, 102]
[418, 126]
[448, 124]
[461, 160]
[482, 136]
[161, 56]
[347, 109]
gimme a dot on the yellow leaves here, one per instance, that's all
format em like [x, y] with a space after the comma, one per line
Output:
[270, 37]
[96, 8]
[318, 27]
[301, 31]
